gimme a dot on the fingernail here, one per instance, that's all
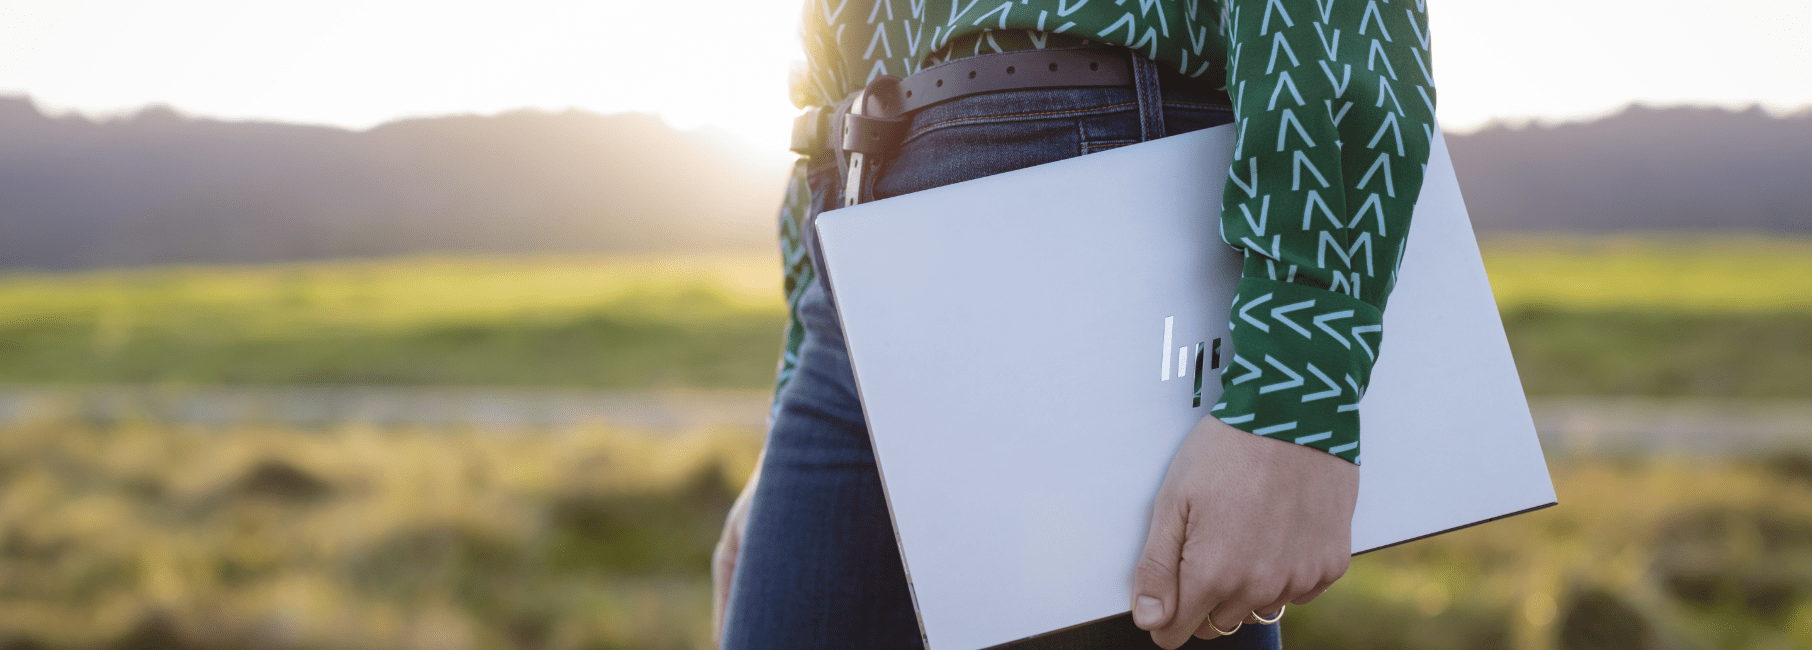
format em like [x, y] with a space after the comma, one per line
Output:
[1148, 612]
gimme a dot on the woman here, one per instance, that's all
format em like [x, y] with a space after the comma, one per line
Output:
[1334, 105]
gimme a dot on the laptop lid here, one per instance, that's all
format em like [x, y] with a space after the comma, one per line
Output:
[1030, 360]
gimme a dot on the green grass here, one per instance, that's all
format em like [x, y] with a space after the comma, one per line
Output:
[160, 536]
[154, 536]
[1657, 273]
[1651, 553]
[1657, 315]
[148, 535]
[703, 321]
[1736, 355]
[1654, 315]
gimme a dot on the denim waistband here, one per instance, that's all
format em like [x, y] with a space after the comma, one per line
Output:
[1025, 105]
[817, 131]
[980, 135]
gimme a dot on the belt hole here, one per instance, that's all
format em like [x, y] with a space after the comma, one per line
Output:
[909, 94]
[971, 74]
[1009, 69]
[940, 82]
[1053, 67]
[1094, 65]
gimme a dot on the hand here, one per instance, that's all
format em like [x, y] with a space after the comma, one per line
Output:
[1242, 524]
[723, 559]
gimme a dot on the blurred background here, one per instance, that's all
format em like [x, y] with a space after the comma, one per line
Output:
[398, 324]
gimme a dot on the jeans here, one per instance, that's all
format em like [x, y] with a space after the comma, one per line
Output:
[819, 566]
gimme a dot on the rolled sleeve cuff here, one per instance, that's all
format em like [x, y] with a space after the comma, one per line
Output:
[1302, 360]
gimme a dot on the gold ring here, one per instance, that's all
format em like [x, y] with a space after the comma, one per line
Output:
[1273, 620]
[1220, 631]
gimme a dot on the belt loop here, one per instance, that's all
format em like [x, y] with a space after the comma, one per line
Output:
[855, 161]
[833, 137]
[871, 130]
[808, 132]
[835, 128]
[1151, 98]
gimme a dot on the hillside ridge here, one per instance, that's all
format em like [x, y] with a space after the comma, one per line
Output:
[159, 187]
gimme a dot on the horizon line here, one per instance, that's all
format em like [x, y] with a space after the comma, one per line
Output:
[126, 114]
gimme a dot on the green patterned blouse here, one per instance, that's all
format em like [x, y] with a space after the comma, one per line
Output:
[1334, 104]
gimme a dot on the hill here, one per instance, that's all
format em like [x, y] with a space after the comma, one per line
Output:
[158, 187]
[1642, 169]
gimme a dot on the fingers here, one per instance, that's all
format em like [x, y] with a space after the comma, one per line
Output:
[729, 548]
[723, 567]
[1311, 594]
[1270, 611]
[1155, 578]
[1266, 616]
[1197, 594]
[1206, 580]
[1252, 592]
[1230, 614]
[1209, 629]
[1228, 618]
[1326, 580]
[1242, 525]
[1216, 594]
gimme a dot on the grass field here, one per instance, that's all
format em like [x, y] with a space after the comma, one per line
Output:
[153, 536]
[1657, 315]
[1662, 315]
[1659, 273]
[703, 321]
[146, 535]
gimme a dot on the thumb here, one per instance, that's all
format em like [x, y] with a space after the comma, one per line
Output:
[1155, 579]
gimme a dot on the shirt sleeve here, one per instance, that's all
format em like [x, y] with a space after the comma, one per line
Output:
[1334, 104]
[797, 273]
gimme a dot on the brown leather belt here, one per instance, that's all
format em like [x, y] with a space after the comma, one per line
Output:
[889, 101]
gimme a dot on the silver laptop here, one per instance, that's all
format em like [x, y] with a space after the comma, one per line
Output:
[1030, 359]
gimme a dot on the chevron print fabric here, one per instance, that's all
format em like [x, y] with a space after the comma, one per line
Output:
[797, 270]
[1334, 102]
[1334, 105]
[1303, 356]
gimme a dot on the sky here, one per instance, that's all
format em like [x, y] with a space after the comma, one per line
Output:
[723, 63]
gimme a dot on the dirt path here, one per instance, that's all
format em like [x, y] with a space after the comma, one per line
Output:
[320, 406]
[1568, 425]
